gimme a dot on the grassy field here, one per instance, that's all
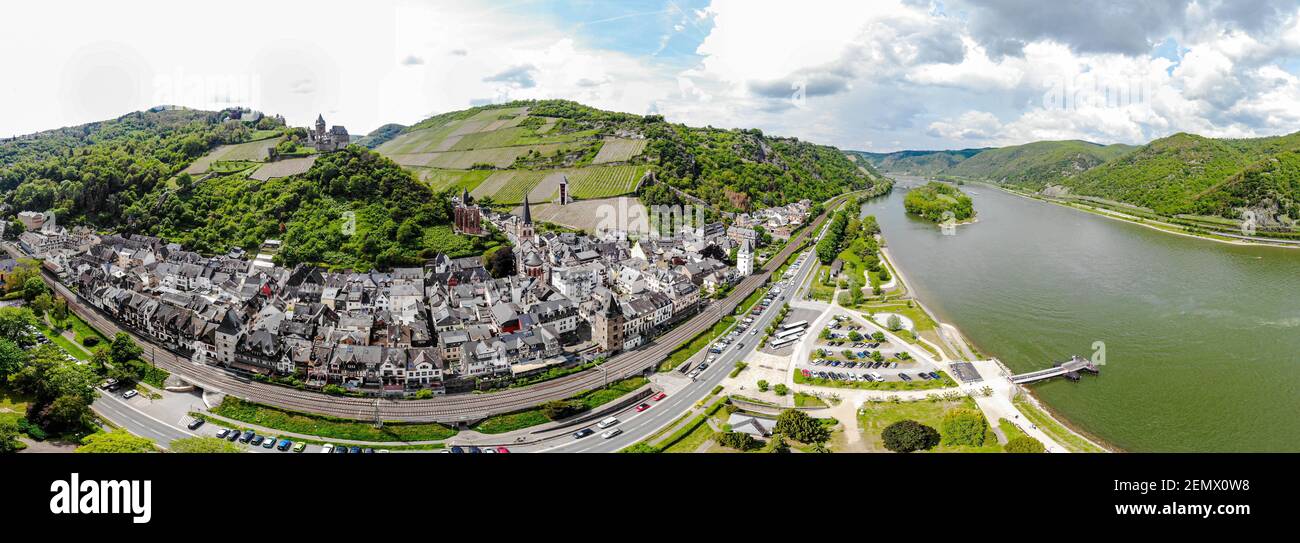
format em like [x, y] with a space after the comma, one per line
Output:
[874, 417]
[253, 151]
[1070, 440]
[328, 427]
[916, 384]
[13, 406]
[440, 180]
[808, 400]
[619, 150]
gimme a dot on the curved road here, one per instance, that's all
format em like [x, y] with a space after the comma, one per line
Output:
[452, 408]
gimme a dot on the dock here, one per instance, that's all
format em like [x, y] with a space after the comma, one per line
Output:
[1070, 369]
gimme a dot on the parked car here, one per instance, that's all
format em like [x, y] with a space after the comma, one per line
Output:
[284, 445]
[502, 450]
[195, 424]
[248, 436]
[327, 448]
[611, 433]
[232, 436]
[367, 450]
[130, 394]
[354, 450]
[341, 449]
[299, 446]
[108, 384]
[457, 450]
[222, 433]
[475, 450]
[257, 441]
[583, 433]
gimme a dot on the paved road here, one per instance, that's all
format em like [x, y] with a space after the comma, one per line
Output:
[447, 409]
[639, 426]
[139, 417]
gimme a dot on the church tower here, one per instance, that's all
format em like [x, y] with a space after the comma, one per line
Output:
[745, 259]
[526, 225]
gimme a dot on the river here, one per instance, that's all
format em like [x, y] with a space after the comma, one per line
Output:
[1201, 339]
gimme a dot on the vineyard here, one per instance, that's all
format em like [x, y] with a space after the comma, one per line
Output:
[619, 150]
[605, 181]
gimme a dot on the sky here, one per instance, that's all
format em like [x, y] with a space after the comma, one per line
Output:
[875, 75]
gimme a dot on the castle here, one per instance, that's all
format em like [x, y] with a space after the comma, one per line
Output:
[468, 217]
[336, 138]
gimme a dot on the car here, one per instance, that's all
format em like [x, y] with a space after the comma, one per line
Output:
[248, 436]
[611, 433]
[934, 375]
[659, 396]
[383, 451]
[299, 446]
[232, 436]
[367, 450]
[642, 407]
[257, 441]
[607, 422]
[222, 433]
[341, 449]
[475, 450]
[923, 376]
[269, 443]
[108, 384]
[806, 373]
[327, 448]
[129, 394]
[489, 450]
[904, 377]
[583, 433]
[194, 424]
[284, 445]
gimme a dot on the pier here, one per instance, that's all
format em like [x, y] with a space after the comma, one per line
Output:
[1070, 369]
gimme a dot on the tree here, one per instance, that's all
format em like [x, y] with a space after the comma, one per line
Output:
[9, 437]
[907, 436]
[12, 359]
[878, 336]
[739, 441]
[33, 287]
[1024, 444]
[801, 427]
[762, 385]
[854, 335]
[204, 445]
[501, 262]
[123, 349]
[115, 442]
[777, 444]
[60, 310]
[964, 427]
[780, 389]
[894, 323]
[17, 279]
[15, 323]
[42, 304]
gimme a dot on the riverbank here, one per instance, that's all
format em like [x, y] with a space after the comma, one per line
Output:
[957, 336]
[1161, 226]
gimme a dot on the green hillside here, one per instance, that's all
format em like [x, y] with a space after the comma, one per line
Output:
[1036, 164]
[917, 162]
[528, 145]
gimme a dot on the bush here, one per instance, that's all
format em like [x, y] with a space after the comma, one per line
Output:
[801, 427]
[33, 431]
[964, 426]
[716, 390]
[560, 409]
[1024, 444]
[762, 385]
[90, 341]
[739, 441]
[780, 389]
[424, 394]
[907, 436]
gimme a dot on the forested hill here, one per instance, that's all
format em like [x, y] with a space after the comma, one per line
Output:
[503, 152]
[95, 172]
[1036, 164]
[917, 162]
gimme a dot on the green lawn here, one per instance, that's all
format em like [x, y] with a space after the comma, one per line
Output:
[328, 427]
[874, 417]
[808, 400]
[915, 384]
[1070, 440]
[77, 351]
[691, 439]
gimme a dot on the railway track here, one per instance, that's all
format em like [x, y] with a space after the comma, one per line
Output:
[448, 409]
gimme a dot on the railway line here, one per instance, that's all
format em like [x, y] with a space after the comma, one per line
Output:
[459, 408]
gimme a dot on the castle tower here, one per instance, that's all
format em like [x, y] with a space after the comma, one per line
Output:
[564, 190]
[607, 330]
[320, 125]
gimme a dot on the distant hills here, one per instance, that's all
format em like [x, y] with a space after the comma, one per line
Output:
[1183, 174]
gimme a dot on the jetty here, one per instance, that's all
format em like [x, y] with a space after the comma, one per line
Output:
[1070, 369]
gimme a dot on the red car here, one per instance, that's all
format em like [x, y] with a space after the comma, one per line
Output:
[659, 396]
[502, 450]
[642, 407]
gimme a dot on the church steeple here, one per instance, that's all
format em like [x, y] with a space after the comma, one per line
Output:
[528, 216]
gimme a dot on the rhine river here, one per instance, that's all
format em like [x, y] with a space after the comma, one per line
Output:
[1202, 339]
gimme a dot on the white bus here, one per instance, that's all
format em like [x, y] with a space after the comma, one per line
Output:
[788, 333]
[800, 324]
[783, 342]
